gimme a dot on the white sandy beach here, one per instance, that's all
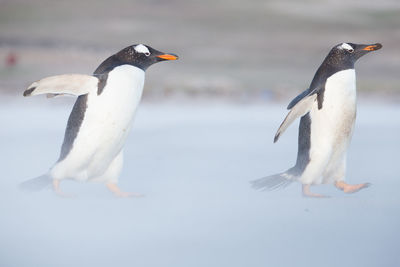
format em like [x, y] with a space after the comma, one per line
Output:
[194, 163]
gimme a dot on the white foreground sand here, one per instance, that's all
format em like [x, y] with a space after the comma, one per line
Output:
[193, 163]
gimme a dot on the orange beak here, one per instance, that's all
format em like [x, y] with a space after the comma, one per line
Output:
[372, 47]
[168, 57]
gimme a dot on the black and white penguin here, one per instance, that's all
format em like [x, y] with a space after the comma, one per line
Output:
[100, 119]
[328, 112]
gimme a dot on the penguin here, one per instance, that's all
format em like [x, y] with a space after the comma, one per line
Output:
[100, 120]
[328, 112]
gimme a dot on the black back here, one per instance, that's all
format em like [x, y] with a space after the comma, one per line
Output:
[304, 144]
[74, 123]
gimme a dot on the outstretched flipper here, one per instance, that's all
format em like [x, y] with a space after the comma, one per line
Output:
[301, 108]
[70, 84]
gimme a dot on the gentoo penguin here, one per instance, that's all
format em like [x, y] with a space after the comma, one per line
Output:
[100, 119]
[328, 112]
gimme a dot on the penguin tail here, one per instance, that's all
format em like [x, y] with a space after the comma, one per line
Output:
[35, 184]
[273, 182]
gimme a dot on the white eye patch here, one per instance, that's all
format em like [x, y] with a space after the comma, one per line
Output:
[346, 46]
[142, 49]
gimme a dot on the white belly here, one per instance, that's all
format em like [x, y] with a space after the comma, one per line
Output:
[107, 121]
[336, 119]
[332, 126]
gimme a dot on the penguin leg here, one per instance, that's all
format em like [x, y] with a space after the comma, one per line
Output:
[58, 191]
[111, 177]
[308, 193]
[118, 193]
[350, 188]
[312, 172]
[337, 173]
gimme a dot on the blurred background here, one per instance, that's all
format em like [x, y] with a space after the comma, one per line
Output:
[233, 49]
[203, 130]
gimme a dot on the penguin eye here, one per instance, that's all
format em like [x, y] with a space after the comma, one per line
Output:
[147, 54]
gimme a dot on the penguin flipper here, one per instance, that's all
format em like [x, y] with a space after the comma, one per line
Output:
[301, 108]
[298, 98]
[69, 84]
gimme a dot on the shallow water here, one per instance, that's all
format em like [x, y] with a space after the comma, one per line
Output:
[193, 163]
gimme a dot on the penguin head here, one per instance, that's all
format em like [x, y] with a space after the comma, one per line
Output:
[348, 53]
[142, 56]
